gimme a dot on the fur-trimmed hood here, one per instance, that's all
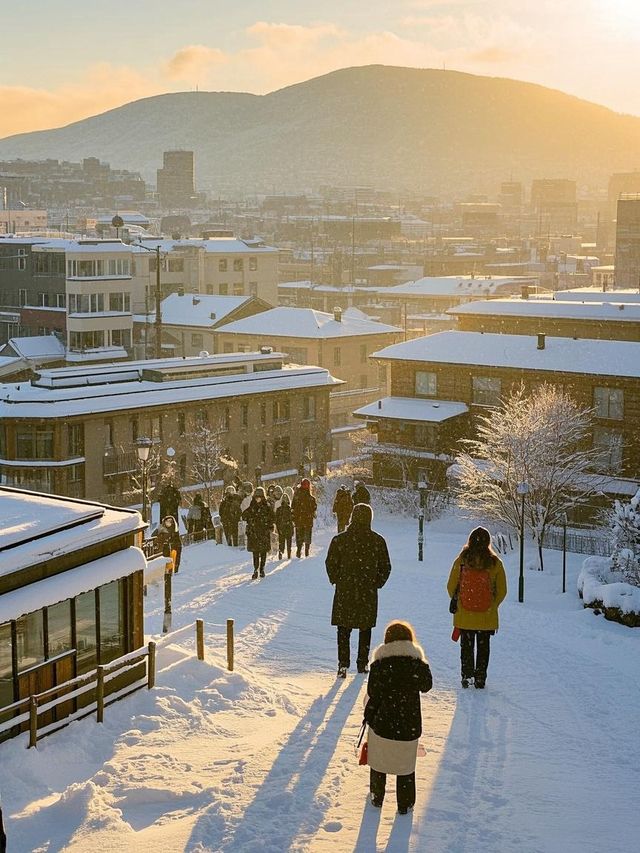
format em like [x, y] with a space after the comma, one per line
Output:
[399, 649]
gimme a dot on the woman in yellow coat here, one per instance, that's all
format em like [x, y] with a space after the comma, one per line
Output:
[477, 586]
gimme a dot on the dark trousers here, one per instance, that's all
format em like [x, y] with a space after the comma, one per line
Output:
[303, 537]
[231, 533]
[284, 543]
[474, 654]
[405, 788]
[344, 647]
[259, 560]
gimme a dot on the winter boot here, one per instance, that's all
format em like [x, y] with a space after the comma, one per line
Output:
[261, 573]
[375, 801]
[306, 550]
[254, 576]
[342, 672]
[298, 551]
[478, 683]
[465, 682]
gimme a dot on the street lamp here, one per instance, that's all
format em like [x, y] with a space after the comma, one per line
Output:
[564, 551]
[143, 447]
[523, 490]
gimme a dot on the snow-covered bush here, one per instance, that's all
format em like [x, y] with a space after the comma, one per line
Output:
[602, 586]
[624, 531]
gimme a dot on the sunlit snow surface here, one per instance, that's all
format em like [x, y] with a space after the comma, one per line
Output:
[545, 759]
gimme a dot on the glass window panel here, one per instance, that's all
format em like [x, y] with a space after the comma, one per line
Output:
[59, 622]
[30, 637]
[426, 383]
[486, 391]
[112, 625]
[86, 631]
[6, 677]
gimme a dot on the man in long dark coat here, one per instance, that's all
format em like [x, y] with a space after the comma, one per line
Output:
[358, 565]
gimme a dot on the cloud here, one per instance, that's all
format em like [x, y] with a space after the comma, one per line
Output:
[193, 60]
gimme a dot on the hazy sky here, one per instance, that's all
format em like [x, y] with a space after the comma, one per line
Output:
[61, 60]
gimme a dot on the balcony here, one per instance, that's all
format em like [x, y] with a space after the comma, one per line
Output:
[120, 462]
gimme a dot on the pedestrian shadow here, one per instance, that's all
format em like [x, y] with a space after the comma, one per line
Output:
[286, 805]
[368, 833]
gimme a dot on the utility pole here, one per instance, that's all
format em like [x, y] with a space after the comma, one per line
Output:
[353, 251]
[158, 320]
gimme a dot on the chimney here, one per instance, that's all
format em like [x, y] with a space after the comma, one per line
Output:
[181, 290]
[379, 404]
[541, 340]
[212, 315]
[337, 314]
[524, 291]
[195, 300]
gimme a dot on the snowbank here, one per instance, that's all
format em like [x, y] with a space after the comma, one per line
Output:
[600, 587]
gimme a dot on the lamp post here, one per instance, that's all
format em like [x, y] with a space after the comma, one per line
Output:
[523, 490]
[564, 551]
[143, 447]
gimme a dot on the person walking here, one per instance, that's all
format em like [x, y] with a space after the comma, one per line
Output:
[342, 507]
[195, 516]
[260, 520]
[303, 510]
[230, 514]
[284, 525]
[168, 538]
[399, 674]
[361, 494]
[169, 498]
[477, 586]
[358, 565]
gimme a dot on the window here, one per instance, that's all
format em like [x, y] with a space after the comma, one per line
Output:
[86, 340]
[197, 340]
[22, 259]
[609, 403]
[222, 265]
[297, 355]
[22, 296]
[121, 338]
[263, 414]
[238, 288]
[108, 433]
[181, 423]
[225, 423]
[60, 300]
[253, 288]
[119, 302]
[30, 640]
[34, 443]
[43, 300]
[308, 408]
[201, 418]
[253, 264]
[426, 384]
[363, 354]
[245, 453]
[223, 289]
[121, 266]
[238, 264]
[86, 642]
[486, 391]
[59, 628]
[337, 357]
[134, 430]
[245, 414]
[155, 428]
[75, 474]
[176, 265]
[263, 452]
[280, 411]
[112, 626]
[75, 442]
[97, 302]
[281, 450]
[609, 442]
[6, 668]
[425, 436]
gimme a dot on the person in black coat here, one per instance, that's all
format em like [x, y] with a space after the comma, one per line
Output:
[168, 538]
[361, 494]
[303, 510]
[260, 520]
[342, 507]
[399, 674]
[170, 499]
[284, 526]
[230, 514]
[358, 565]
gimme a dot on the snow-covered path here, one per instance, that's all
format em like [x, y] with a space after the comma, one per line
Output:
[545, 759]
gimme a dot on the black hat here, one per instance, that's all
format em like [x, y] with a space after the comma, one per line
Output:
[362, 515]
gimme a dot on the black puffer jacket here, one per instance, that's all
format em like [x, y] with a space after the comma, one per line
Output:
[260, 519]
[399, 674]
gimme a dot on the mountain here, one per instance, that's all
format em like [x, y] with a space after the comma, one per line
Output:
[395, 128]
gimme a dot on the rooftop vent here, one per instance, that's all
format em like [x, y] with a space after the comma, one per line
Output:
[337, 314]
[204, 354]
[266, 350]
[195, 300]
[212, 315]
[542, 339]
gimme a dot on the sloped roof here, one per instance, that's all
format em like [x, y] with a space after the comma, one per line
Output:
[196, 309]
[37, 347]
[305, 323]
[551, 308]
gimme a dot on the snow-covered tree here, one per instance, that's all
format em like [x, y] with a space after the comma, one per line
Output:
[209, 457]
[624, 530]
[541, 439]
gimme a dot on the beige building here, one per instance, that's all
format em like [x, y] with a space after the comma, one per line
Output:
[340, 342]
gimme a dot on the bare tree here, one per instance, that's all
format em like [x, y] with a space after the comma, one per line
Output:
[208, 454]
[541, 439]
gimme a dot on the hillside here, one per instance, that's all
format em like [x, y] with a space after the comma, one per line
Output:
[392, 127]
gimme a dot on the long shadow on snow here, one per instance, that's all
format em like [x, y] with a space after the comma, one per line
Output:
[285, 804]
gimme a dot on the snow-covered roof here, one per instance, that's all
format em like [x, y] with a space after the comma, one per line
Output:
[560, 355]
[305, 323]
[592, 294]
[26, 400]
[84, 247]
[305, 284]
[38, 347]
[412, 409]
[10, 366]
[451, 285]
[68, 584]
[196, 309]
[552, 308]
[218, 245]
[38, 527]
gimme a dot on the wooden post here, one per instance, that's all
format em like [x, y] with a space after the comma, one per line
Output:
[33, 722]
[151, 666]
[100, 695]
[166, 623]
[230, 645]
[200, 638]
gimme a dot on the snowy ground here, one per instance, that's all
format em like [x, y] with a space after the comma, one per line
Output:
[545, 759]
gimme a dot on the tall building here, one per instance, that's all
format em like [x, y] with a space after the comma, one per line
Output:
[554, 202]
[176, 180]
[627, 266]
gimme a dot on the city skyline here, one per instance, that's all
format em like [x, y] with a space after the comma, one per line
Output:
[54, 70]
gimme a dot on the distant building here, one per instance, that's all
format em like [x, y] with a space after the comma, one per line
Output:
[554, 203]
[604, 277]
[176, 179]
[627, 261]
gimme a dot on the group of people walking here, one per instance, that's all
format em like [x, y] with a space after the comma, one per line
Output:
[358, 565]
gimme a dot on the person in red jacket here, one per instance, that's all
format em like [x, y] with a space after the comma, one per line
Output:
[303, 510]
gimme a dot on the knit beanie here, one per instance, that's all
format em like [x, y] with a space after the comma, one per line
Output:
[362, 515]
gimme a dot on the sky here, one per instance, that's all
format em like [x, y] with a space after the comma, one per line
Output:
[62, 61]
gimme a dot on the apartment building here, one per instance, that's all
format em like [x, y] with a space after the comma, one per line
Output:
[440, 383]
[74, 431]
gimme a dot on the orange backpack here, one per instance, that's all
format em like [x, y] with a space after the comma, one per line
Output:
[476, 592]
